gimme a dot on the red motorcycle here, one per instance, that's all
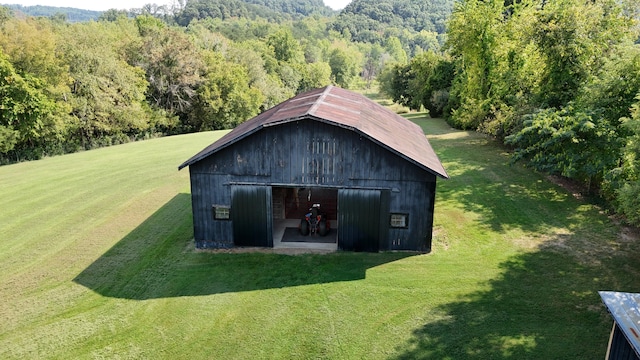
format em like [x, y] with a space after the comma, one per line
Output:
[314, 222]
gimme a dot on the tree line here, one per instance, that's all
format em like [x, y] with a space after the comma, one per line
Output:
[71, 86]
[556, 81]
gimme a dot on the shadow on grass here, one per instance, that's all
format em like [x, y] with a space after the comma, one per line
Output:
[544, 306]
[504, 195]
[157, 260]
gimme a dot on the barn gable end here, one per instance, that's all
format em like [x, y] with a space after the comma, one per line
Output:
[285, 151]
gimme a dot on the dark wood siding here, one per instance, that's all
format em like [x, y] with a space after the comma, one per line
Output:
[311, 153]
[251, 215]
[207, 191]
[362, 215]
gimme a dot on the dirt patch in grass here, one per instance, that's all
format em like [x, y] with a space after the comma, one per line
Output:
[591, 249]
[575, 189]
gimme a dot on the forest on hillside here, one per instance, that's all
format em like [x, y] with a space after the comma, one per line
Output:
[69, 14]
[558, 82]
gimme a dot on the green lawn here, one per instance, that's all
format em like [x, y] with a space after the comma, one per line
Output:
[97, 261]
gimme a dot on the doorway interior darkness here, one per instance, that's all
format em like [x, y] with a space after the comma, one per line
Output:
[295, 202]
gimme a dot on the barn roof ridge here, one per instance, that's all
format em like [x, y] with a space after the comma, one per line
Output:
[345, 109]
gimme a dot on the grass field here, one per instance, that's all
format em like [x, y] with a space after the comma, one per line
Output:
[97, 261]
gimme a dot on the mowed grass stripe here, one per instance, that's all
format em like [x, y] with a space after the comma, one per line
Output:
[65, 211]
[514, 272]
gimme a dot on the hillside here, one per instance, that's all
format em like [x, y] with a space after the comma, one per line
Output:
[367, 20]
[72, 14]
[273, 10]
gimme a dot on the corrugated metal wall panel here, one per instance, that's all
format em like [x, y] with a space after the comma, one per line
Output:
[619, 348]
[251, 215]
[359, 217]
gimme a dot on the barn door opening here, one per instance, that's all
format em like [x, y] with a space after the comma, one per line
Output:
[362, 215]
[290, 204]
[251, 215]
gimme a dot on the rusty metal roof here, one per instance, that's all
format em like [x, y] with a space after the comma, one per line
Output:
[346, 109]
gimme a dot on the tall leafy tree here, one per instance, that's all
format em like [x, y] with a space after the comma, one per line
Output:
[627, 191]
[285, 47]
[25, 114]
[224, 99]
[474, 30]
[432, 78]
[314, 75]
[374, 62]
[261, 66]
[394, 48]
[394, 82]
[575, 37]
[29, 45]
[345, 64]
[107, 94]
[172, 64]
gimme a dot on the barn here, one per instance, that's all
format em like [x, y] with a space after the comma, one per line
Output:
[372, 173]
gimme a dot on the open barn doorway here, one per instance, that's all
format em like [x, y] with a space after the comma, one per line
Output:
[290, 204]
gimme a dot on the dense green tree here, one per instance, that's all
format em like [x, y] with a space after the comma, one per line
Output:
[365, 20]
[393, 46]
[612, 91]
[172, 64]
[375, 58]
[261, 66]
[107, 94]
[225, 99]
[314, 75]
[345, 64]
[472, 40]
[26, 115]
[431, 83]
[424, 41]
[568, 142]
[394, 82]
[627, 176]
[285, 47]
[5, 14]
[273, 10]
[30, 45]
[425, 81]
[574, 38]
[298, 7]
[201, 9]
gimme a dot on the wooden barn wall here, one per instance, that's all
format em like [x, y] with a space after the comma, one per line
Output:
[207, 191]
[308, 153]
